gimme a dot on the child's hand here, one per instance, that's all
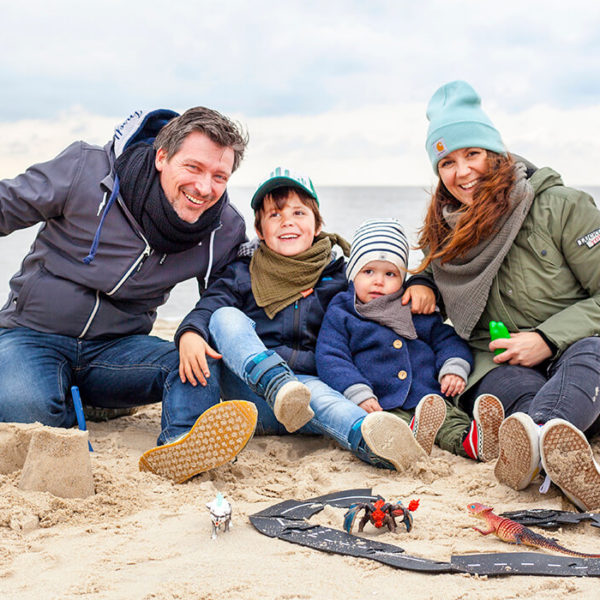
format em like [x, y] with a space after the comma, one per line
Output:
[422, 297]
[370, 405]
[452, 385]
[193, 349]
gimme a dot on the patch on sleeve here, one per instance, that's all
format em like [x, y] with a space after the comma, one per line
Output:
[590, 240]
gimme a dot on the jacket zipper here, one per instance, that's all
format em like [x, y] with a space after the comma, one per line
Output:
[92, 315]
[136, 266]
[295, 345]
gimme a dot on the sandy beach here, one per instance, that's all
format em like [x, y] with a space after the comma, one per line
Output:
[142, 537]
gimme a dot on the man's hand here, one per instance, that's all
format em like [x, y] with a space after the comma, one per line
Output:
[452, 385]
[526, 348]
[193, 349]
[370, 405]
[423, 299]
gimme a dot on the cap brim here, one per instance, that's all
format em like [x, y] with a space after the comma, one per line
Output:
[273, 184]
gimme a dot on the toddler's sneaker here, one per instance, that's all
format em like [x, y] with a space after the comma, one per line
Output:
[390, 438]
[292, 404]
[217, 437]
[519, 458]
[429, 415]
[568, 460]
[481, 442]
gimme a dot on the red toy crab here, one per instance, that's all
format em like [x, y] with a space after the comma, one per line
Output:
[380, 513]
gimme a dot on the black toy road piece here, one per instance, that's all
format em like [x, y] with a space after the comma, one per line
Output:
[542, 517]
[287, 521]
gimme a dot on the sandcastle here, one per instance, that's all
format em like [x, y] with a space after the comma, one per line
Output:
[52, 459]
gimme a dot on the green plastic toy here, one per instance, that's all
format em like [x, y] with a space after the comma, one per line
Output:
[498, 330]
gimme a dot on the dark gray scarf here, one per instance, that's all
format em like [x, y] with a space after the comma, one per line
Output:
[143, 195]
[389, 312]
[465, 282]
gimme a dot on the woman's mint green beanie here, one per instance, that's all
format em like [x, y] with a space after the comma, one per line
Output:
[456, 120]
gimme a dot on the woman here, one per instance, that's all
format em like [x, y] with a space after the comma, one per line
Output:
[507, 242]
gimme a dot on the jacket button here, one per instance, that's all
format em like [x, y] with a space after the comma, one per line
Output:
[397, 344]
[402, 375]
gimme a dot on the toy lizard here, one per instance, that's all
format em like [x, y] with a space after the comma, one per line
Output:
[515, 533]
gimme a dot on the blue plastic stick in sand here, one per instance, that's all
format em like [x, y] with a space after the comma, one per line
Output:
[79, 411]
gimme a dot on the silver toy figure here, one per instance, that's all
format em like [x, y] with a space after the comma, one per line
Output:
[220, 514]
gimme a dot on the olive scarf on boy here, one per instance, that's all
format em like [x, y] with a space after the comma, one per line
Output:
[278, 281]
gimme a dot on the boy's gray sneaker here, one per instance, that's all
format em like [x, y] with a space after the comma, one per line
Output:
[390, 438]
[292, 405]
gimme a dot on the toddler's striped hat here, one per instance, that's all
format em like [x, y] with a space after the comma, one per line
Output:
[378, 239]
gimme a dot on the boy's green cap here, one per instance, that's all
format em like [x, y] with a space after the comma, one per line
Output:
[282, 177]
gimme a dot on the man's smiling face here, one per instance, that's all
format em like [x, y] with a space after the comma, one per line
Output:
[196, 176]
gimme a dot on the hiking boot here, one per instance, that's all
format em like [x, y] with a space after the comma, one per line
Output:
[481, 442]
[429, 415]
[568, 460]
[390, 438]
[100, 413]
[519, 459]
[217, 437]
[269, 376]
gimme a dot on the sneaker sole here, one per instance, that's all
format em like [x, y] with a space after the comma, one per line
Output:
[292, 406]
[488, 413]
[390, 438]
[518, 460]
[217, 437]
[430, 413]
[568, 460]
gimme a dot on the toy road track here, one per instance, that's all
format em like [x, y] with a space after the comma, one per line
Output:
[288, 521]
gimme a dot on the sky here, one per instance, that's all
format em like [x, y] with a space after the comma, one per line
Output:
[335, 89]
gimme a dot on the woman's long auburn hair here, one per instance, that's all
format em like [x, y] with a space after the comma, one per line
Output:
[476, 222]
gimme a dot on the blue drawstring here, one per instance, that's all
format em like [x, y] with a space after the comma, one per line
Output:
[94, 247]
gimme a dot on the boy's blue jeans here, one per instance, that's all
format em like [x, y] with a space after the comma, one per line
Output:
[233, 335]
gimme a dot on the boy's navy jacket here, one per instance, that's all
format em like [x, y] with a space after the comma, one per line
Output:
[354, 350]
[292, 333]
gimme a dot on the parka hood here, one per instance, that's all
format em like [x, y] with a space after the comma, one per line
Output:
[140, 126]
[543, 179]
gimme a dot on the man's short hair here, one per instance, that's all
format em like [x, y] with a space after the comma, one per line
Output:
[217, 127]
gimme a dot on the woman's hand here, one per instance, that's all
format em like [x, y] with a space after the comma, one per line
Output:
[370, 405]
[193, 349]
[526, 348]
[452, 385]
[422, 297]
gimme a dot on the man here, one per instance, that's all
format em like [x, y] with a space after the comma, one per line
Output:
[122, 225]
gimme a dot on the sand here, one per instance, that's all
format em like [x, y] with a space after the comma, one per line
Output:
[142, 537]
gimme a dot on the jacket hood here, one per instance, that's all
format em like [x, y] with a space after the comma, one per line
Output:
[543, 179]
[140, 126]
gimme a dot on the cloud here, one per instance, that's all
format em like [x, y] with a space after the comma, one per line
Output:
[266, 58]
[336, 88]
[380, 144]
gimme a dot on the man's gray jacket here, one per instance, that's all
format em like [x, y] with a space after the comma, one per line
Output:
[118, 292]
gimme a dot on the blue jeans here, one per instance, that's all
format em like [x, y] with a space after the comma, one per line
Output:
[568, 388]
[233, 335]
[37, 371]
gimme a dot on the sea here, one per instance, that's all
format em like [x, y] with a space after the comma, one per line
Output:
[343, 210]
